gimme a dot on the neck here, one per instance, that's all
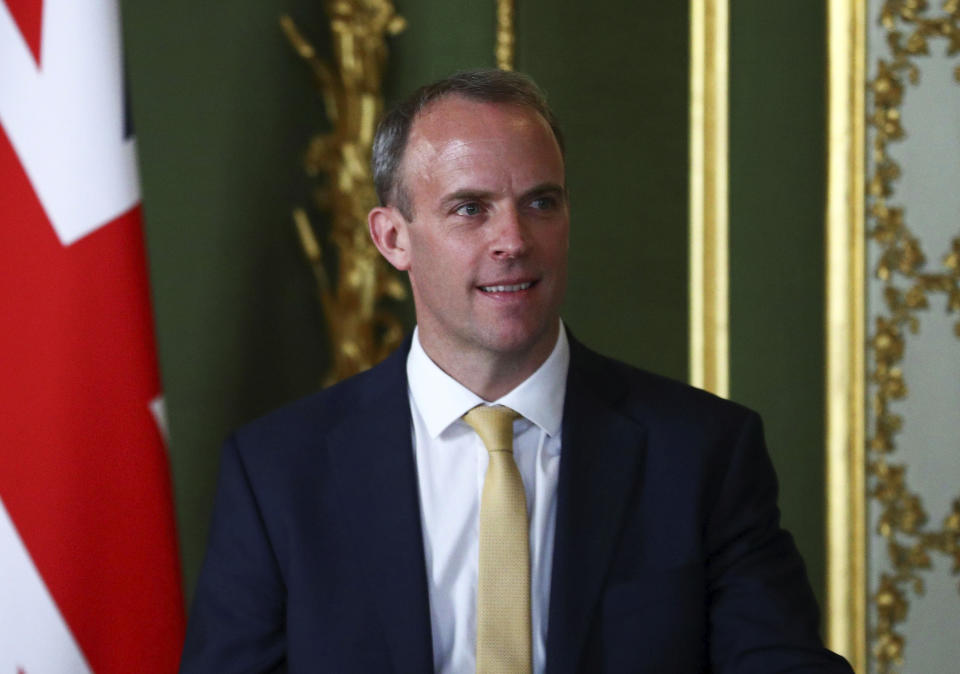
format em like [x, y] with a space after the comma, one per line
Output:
[489, 374]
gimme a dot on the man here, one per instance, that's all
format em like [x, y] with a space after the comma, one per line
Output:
[406, 521]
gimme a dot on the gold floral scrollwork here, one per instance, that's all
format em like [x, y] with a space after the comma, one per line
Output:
[362, 331]
[907, 289]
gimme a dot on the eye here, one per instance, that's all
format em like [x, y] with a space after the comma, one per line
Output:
[468, 209]
[544, 203]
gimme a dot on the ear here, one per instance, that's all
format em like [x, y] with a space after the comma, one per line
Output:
[390, 234]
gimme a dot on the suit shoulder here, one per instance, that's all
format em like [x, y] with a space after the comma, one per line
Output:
[657, 399]
[311, 418]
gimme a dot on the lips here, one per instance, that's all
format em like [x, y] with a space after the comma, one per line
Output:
[507, 287]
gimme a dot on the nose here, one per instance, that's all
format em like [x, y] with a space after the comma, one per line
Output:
[510, 237]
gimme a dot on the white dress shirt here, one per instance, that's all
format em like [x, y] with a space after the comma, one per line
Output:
[451, 466]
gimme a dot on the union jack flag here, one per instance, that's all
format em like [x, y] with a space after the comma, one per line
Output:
[89, 569]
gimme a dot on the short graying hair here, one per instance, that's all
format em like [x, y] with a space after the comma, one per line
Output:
[487, 86]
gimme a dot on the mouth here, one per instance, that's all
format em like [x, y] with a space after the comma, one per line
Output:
[507, 287]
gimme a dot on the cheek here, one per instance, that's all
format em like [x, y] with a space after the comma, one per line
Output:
[448, 257]
[440, 266]
[422, 253]
[556, 249]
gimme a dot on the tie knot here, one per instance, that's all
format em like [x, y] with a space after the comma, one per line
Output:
[494, 425]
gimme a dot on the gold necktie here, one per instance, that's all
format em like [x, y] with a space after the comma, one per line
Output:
[503, 583]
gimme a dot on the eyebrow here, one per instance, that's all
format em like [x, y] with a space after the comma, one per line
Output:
[544, 188]
[466, 195]
[484, 195]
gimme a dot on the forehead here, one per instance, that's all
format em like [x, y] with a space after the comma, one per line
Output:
[458, 115]
[462, 136]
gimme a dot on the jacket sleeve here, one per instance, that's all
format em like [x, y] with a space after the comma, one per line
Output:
[237, 619]
[762, 612]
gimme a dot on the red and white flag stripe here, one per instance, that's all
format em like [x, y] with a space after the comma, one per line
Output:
[89, 571]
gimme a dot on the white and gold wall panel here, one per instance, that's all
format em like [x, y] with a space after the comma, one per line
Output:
[894, 334]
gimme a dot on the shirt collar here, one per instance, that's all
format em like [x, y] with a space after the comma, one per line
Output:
[441, 399]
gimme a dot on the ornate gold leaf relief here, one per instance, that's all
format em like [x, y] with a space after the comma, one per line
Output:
[362, 331]
[903, 521]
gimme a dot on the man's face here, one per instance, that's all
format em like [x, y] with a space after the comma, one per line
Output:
[488, 239]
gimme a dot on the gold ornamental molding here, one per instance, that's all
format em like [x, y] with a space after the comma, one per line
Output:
[908, 285]
[362, 331]
[709, 212]
[846, 604]
[506, 40]
[911, 540]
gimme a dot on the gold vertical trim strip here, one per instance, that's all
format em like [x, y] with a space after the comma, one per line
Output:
[506, 39]
[709, 274]
[845, 341]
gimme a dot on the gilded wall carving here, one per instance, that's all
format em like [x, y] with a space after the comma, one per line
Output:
[914, 281]
[362, 330]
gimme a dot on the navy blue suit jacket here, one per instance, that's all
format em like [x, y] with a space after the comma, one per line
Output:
[668, 554]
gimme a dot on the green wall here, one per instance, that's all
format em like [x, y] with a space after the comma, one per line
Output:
[223, 111]
[617, 77]
[777, 197]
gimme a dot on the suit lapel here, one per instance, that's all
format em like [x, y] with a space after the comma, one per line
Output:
[375, 469]
[602, 452]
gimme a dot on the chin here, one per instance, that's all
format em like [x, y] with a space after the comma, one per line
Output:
[518, 340]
